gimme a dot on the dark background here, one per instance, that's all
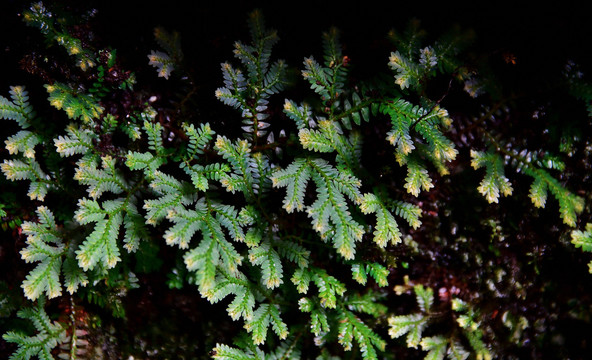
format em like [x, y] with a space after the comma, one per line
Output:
[542, 36]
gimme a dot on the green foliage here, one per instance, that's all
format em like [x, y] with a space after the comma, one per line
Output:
[49, 334]
[281, 213]
[56, 31]
[494, 181]
[165, 62]
[44, 244]
[583, 240]
[251, 94]
[414, 325]
[18, 109]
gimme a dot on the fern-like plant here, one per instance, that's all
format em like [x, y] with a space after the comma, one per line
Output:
[294, 215]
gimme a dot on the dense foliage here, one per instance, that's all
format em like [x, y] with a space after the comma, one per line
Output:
[425, 199]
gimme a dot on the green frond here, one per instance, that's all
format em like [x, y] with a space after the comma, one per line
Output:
[295, 178]
[435, 346]
[417, 178]
[21, 170]
[329, 288]
[315, 140]
[318, 77]
[456, 351]
[49, 335]
[144, 161]
[570, 205]
[225, 352]
[203, 260]
[330, 137]
[495, 181]
[250, 93]
[412, 325]
[378, 272]
[551, 162]
[261, 171]
[235, 84]
[343, 180]
[237, 154]
[163, 63]
[403, 114]
[131, 129]
[319, 323]
[212, 252]
[271, 266]
[352, 327]
[38, 190]
[305, 304]
[78, 141]
[253, 237]
[201, 174]
[88, 211]
[354, 110]
[44, 245]
[165, 184]
[158, 209]
[330, 205]
[198, 138]
[100, 247]
[263, 40]
[440, 146]
[24, 142]
[224, 286]
[293, 252]
[248, 215]
[18, 109]
[367, 304]
[229, 256]
[287, 350]
[459, 305]
[234, 182]
[242, 305]
[538, 193]
[333, 208]
[76, 104]
[186, 224]
[359, 273]
[100, 180]
[332, 46]
[479, 347]
[154, 132]
[74, 276]
[301, 278]
[263, 317]
[275, 79]
[468, 321]
[428, 58]
[302, 115]
[413, 62]
[425, 297]
[387, 229]
[228, 217]
[406, 72]
[409, 212]
[45, 277]
[583, 240]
